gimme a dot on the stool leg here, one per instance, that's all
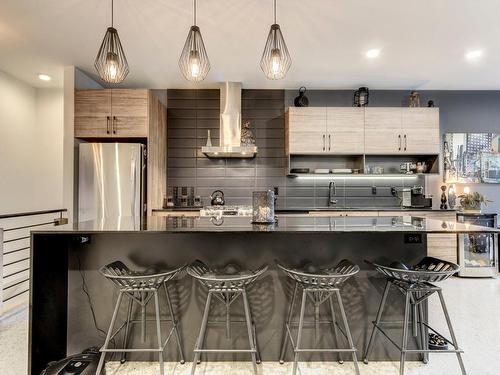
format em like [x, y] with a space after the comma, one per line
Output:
[335, 328]
[405, 333]
[414, 315]
[423, 336]
[127, 328]
[347, 331]
[452, 333]
[249, 329]
[377, 320]
[110, 332]
[228, 317]
[284, 341]
[256, 343]
[201, 335]
[158, 332]
[175, 323]
[299, 334]
[143, 316]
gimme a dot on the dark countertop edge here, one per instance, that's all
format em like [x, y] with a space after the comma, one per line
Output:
[289, 231]
[318, 209]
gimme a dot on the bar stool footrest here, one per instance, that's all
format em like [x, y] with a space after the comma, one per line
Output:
[456, 350]
[225, 351]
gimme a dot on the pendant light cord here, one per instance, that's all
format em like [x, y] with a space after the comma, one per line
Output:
[275, 11]
[112, 12]
[194, 13]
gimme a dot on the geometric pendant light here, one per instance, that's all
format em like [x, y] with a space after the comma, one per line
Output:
[110, 62]
[276, 60]
[194, 63]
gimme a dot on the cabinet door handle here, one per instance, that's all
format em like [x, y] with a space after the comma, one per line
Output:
[399, 142]
[329, 142]
[113, 125]
[406, 142]
[324, 142]
[107, 124]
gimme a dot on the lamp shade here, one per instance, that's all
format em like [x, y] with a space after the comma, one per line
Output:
[276, 60]
[110, 62]
[194, 63]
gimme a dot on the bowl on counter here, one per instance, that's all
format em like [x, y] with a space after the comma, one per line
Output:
[342, 171]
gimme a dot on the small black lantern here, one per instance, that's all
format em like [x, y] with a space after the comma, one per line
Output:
[361, 97]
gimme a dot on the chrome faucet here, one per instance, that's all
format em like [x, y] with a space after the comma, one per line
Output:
[332, 191]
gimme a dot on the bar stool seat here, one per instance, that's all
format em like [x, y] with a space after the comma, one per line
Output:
[226, 287]
[140, 287]
[416, 285]
[319, 286]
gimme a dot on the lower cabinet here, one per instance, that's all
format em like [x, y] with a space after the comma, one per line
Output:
[442, 246]
[439, 245]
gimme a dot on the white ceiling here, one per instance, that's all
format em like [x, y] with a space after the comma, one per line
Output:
[422, 42]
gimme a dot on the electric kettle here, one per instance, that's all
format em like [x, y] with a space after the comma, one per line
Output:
[217, 198]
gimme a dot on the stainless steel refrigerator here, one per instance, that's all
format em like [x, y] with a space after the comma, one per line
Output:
[111, 182]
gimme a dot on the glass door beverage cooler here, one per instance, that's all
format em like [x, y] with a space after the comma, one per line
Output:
[478, 252]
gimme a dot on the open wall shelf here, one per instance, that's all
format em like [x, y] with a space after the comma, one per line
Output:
[358, 165]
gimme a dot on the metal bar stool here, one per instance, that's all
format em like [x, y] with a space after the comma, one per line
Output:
[226, 288]
[140, 287]
[320, 287]
[416, 286]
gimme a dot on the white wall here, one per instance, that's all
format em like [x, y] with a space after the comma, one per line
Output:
[31, 154]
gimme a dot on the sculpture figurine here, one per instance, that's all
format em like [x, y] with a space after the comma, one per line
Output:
[414, 99]
[443, 205]
[247, 137]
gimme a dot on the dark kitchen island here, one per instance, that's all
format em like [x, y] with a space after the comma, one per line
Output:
[65, 261]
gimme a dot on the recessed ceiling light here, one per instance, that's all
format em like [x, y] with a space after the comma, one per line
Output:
[474, 55]
[44, 77]
[373, 53]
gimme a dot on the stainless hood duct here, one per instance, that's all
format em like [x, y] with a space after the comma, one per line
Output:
[230, 126]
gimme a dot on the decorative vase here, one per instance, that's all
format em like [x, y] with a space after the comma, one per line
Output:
[301, 100]
[209, 139]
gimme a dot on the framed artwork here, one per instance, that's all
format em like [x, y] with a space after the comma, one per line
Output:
[471, 158]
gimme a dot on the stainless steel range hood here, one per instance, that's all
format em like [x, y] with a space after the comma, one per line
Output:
[230, 126]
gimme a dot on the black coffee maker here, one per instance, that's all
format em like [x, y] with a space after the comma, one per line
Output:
[418, 199]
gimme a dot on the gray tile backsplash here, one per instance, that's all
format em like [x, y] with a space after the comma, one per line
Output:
[192, 112]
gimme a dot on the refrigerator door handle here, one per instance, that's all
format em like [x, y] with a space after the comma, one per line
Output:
[144, 207]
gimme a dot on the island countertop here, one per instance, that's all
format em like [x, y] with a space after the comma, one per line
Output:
[284, 224]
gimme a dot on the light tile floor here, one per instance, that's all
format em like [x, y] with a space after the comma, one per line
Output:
[474, 306]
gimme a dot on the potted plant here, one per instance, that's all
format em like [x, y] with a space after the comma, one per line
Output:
[472, 201]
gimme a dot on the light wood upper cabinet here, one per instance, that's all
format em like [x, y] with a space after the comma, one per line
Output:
[92, 103]
[130, 102]
[345, 130]
[320, 130]
[306, 130]
[129, 108]
[410, 131]
[420, 130]
[103, 113]
[92, 113]
[383, 131]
